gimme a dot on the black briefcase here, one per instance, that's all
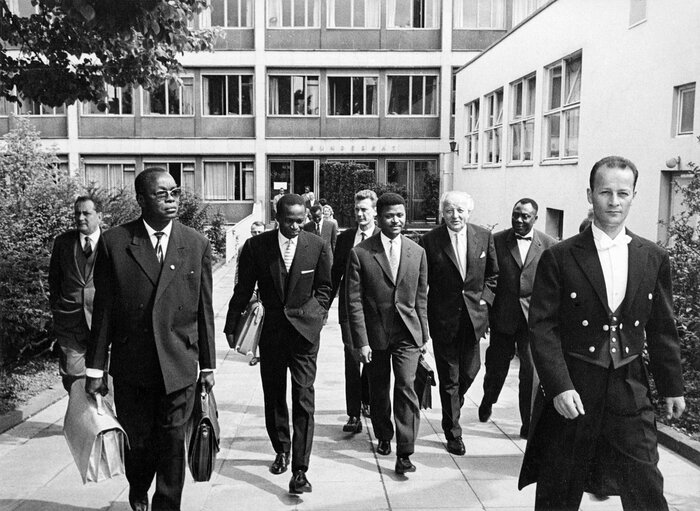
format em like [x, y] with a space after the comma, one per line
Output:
[425, 379]
[203, 435]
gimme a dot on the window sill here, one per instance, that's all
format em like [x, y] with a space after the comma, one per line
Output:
[569, 161]
[528, 163]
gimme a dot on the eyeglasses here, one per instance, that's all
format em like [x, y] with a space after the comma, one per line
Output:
[162, 195]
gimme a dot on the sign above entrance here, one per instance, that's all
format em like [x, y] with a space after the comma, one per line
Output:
[354, 148]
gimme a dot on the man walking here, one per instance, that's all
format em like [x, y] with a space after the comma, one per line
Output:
[327, 230]
[518, 251]
[386, 299]
[153, 307]
[356, 379]
[292, 270]
[72, 288]
[599, 299]
[462, 274]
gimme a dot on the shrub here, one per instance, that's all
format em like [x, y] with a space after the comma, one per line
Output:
[339, 183]
[118, 205]
[431, 192]
[382, 188]
[217, 234]
[193, 213]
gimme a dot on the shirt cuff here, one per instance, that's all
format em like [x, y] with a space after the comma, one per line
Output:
[206, 370]
[94, 373]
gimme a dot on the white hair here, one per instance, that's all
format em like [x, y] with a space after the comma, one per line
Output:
[459, 197]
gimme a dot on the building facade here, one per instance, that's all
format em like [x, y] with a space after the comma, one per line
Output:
[574, 82]
[292, 84]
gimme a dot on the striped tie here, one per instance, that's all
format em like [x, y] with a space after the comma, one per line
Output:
[159, 247]
[288, 256]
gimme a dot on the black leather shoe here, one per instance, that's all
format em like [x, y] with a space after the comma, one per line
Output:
[403, 465]
[279, 466]
[138, 503]
[384, 447]
[354, 425]
[365, 410]
[484, 411]
[524, 432]
[456, 446]
[299, 483]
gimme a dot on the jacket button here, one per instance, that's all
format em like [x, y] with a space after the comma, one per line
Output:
[613, 339]
[584, 322]
[573, 295]
[627, 349]
[620, 326]
[614, 350]
[636, 323]
[613, 328]
[651, 296]
[179, 308]
[614, 318]
[140, 306]
[591, 349]
[606, 328]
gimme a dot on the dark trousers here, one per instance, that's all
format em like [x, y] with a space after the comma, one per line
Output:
[500, 352]
[155, 423]
[458, 361]
[401, 355]
[616, 438]
[71, 357]
[356, 376]
[280, 350]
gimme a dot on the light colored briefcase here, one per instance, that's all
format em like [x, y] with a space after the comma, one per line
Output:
[247, 334]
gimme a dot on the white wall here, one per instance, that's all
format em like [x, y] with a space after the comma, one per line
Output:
[628, 81]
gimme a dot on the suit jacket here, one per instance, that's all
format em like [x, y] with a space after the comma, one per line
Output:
[340, 262]
[515, 278]
[569, 325]
[158, 321]
[373, 298]
[329, 231]
[71, 294]
[302, 296]
[449, 294]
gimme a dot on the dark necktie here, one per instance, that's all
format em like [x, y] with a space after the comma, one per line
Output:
[318, 229]
[527, 238]
[159, 247]
[363, 237]
[87, 248]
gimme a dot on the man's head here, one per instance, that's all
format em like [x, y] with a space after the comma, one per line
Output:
[391, 214]
[612, 189]
[524, 216]
[316, 213]
[87, 214]
[307, 189]
[365, 208]
[290, 215]
[158, 196]
[256, 228]
[456, 207]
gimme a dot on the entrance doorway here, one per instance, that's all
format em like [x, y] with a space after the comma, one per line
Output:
[293, 176]
[411, 174]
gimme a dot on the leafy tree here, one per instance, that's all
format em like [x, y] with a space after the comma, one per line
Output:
[118, 205]
[71, 48]
[217, 234]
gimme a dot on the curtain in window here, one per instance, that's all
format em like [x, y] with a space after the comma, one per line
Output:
[215, 180]
[274, 13]
[248, 181]
[246, 13]
[314, 13]
[431, 95]
[96, 173]
[274, 96]
[187, 94]
[432, 13]
[391, 13]
[372, 13]
[573, 81]
[206, 94]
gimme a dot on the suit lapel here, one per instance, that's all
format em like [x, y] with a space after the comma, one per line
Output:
[446, 242]
[381, 257]
[276, 264]
[143, 253]
[535, 248]
[406, 260]
[637, 257]
[586, 256]
[75, 258]
[473, 250]
[512, 245]
[173, 262]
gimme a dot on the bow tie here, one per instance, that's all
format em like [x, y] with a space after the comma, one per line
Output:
[605, 243]
[518, 237]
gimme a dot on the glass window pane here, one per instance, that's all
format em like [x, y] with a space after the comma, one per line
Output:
[299, 12]
[233, 95]
[416, 95]
[233, 20]
[312, 95]
[402, 13]
[281, 95]
[359, 14]
[530, 101]
[555, 87]
[215, 180]
[339, 95]
[187, 94]
[157, 101]
[573, 81]
[246, 13]
[96, 173]
[431, 95]
[358, 95]
[313, 13]
[397, 172]
[342, 13]
[552, 125]
[217, 13]
[127, 101]
[214, 100]
[398, 95]
[188, 176]
[515, 132]
[528, 140]
[287, 13]
[469, 13]
[572, 120]
[687, 110]
[518, 100]
[248, 181]
[371, 96]
[246, 95]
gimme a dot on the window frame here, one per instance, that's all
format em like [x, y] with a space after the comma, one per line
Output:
[493, 125]
[317, 21]
[438, 18]
[680, 102]
[520, 121]
[387, 99]
[144, 92]
[109, 162]
[15, 108]
[472, 122]
[251, 7]
[229, 175]
[292, 75]
[562, 110]
[227, 75]
[329, 111]
[119, 91]
[330, 23]
[457, 20]
[166, 162]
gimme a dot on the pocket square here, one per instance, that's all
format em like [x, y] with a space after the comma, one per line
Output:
[482, 302]
[304, 272]
[483, 254]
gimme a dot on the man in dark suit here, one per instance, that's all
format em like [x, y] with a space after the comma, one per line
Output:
[328, 231]
[386, 298]
[462, 273]
[518, 251]
[356, 379]
[292, 269]
[72, 288]
[153, 306]
[600, 298]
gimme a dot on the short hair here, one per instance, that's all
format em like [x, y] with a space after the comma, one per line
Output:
[527, 200]
[258, 223]
[366, 194]
[389, 199]
[322, 202]
[144, 177]
[460, 195]
[316, 207]
[91, 198]
[289, 199]
[613, 162]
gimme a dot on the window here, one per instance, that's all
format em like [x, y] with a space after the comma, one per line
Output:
[293, 95]
[352, 95]
[110, 175]
[22, 8]
[293, 13]
[494, 127]
[227, 94]
[638, 11]
[563, 104]
[33, 107]
[685, 115]
[471, 135]
[412, 95]
[453, 94]
[353, 13]
[522, 124]
[170, 98]
[554, 223]
[485, 14]
[182, 172]
[230, 13]
[228, 180]
[119, 102]
[413, 14]
[523, 8]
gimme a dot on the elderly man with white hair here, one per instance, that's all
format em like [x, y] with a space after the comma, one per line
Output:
[462, 274]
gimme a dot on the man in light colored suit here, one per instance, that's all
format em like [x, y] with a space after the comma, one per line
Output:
[518, 250]
[386, 297]
[319, 226]
[462, 273]
[72, 288]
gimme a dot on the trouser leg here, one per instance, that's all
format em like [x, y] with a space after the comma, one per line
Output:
[497, 361]
[404, 358]
[302, 367]
[379, 372]
[273, 373]
[353, 382]
[525, 374]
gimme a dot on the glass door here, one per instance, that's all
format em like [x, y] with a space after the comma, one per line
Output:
[411, 176]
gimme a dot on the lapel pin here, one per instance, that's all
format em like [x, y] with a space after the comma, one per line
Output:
[172, 266]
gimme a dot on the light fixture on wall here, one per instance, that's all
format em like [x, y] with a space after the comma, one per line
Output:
[454, 148]
[674, 162]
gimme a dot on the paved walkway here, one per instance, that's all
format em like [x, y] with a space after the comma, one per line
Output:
[38, 473]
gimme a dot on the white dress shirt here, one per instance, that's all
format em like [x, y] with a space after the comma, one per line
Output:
[386, 242]
[459, 245]
[94, 237]
[614, 260]
[282, 241]
[358, 235]
[163, 239]
[524, 246]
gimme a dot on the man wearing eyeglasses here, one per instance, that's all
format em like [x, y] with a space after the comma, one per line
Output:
[153, 307]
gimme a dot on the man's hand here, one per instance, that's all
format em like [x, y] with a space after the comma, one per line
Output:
[366, 354]
[424, 348]
[94, 386]
[207, 379]
[674, 407]
[569, 404]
